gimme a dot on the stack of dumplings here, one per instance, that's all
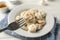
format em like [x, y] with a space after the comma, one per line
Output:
[34, 19]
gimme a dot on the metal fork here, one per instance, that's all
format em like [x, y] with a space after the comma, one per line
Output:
[14, 25]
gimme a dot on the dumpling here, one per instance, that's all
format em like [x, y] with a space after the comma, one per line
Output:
[43, 14]
[32, 28]
[29, 17]
[22, 13]
[17, 17]
[38, 15]
[24, 27]
[42, 22]
[33, 11]
[39, 26]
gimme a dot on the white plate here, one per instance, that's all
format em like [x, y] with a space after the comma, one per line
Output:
[46, 29]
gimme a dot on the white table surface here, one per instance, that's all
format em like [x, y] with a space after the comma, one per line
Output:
[54, 6]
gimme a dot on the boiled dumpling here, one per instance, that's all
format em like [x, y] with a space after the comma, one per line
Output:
[43, 14]
[17, 17]
[24, 27]
[42, 22]
[38, 15]
[39, 26]
[29, 17]
[32, 28]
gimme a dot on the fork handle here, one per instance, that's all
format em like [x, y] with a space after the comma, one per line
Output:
[1, 30]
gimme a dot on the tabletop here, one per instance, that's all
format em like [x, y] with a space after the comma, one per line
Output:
[54, 7]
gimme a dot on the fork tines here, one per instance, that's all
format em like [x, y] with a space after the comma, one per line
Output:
[21, 22]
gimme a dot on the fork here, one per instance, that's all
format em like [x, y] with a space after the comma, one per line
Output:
[14, 25]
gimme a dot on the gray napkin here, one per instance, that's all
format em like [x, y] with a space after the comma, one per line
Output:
[50, 36]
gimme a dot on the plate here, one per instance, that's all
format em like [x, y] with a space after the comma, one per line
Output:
[46, 29]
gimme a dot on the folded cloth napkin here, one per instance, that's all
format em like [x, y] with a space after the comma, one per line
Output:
[50, 36]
